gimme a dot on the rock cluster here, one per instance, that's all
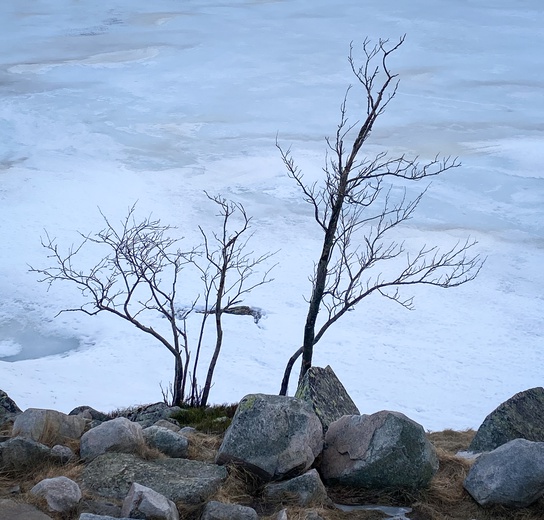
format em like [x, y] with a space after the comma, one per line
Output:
[282, 441]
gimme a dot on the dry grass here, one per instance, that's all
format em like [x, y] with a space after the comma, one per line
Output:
[203, 447]
[445, 499]
[452, 441]
[241, 487]
[148, 453]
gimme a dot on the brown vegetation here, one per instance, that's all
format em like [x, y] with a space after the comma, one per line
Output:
[445, 499]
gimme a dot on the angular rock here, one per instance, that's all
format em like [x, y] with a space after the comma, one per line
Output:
[89, 413]
[119, 435]
[282, 515]
[188, 481]
[143, 502]
[21, 454]
[511, 475]
[382, 450]
[520, 417]
[48, 426]
[304, 491]
[328, 397]
[272, 436]
[11, 510]
[166, 441]
[61, 494]
[149, 414]
[219, 511]
[8, 409]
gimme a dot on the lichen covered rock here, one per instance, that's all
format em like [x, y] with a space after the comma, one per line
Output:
[272, 436]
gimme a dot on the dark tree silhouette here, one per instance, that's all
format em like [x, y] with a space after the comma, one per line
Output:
[356, 209]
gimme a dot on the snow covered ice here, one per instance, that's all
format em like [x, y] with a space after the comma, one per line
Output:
[107, 103]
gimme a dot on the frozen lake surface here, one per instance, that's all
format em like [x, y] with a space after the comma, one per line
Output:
[105, 105]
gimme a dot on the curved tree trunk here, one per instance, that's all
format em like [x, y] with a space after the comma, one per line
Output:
[288, 369]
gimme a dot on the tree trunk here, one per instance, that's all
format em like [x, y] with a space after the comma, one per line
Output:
[287, 373]
[321, 274]
[213, 362]
[177, 387]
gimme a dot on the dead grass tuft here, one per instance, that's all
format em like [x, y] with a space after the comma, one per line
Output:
[148, 453]
[451, 441]
[203, 447]
[241, 487]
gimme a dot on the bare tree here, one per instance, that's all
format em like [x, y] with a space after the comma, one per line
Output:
[227, 271]
[357, 209]
[137, 278]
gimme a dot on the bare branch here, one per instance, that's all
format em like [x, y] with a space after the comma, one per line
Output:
[357, 209]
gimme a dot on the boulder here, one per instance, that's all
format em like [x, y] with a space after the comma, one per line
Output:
[272, 436]
[382, 450]
[166, 441]
[218, 511]
[8, 410]
[328, 397]
[48, 426]
[149, 414]
[143, 502]
[11, 510]
[61, 494]
[88, 412]
[520, 417]
[22, 454]
[304, 491]
[511, 475]
[169, 424]
[62, 454]
[119, 435]
[188, 481]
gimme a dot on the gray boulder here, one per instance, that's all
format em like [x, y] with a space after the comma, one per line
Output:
[188, 481]
[142, 502]
[272, 436]
[48, 426]
[328, 397]
[169, 424]
[63, 454]
[20, 454]
[304, 491]
[219, 511]
[149, 414]
[11, 510]
[119, 435]
[61, 494]
[520, 417]
[511, 475]
[8, 410]
[166, 441]
[382, 450]
[90, 413]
